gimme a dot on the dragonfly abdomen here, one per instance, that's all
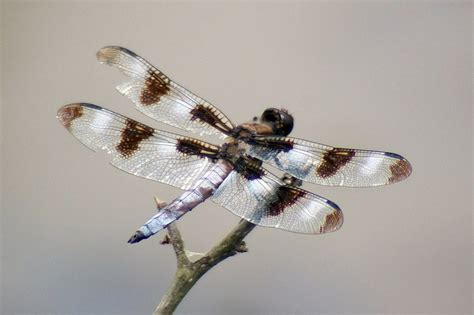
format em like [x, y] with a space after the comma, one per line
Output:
[189, 199]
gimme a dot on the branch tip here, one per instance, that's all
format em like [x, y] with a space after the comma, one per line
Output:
[166, 240]
[160, 204]
[241, 248]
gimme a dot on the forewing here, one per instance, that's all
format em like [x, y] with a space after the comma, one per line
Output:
[325, 165]
[136, 148]
[157, 96]
[263, 199]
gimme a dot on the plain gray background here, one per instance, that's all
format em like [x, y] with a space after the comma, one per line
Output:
[392, 76]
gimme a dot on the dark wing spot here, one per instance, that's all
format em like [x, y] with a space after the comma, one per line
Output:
[156, 86]
[208, 115]
[285, 197]
[400, 170]
[68, 113]
[332, 222]
[133, 133]
[334, 160]
[190, 146]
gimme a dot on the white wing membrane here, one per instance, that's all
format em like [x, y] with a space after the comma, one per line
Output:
[160, 98]
[325, 165]
[137, 148]
[267, 201]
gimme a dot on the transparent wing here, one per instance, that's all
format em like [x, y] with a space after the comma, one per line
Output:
[157, 96]
[263, 199]
[325, 165]
[136, 148]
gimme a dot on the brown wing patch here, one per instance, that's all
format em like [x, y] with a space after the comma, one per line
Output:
[195, 147]
[208, 115]
[285, 197]
[133, 133]
[400, 170]
[334, 160]
[332, 222]
[156, 86]
[68, 113]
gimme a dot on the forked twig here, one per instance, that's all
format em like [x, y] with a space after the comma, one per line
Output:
[187, 272]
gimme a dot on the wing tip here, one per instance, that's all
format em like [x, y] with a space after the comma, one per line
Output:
[400, 170]
[333, 205]
[109, 54]
[68, 113]
[71, 112]
[334, 220]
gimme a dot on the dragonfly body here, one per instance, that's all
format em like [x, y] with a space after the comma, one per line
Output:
[231, 174]
[230, 154]
[202, 189]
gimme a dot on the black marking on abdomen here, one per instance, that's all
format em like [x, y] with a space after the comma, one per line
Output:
[133, 133]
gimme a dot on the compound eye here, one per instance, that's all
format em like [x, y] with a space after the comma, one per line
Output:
[271, 115]
[279, 119]
[285, 127]
[285, 124]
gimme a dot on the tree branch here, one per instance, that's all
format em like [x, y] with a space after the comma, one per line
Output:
[187, 272]
[178, 245]
[174, 237]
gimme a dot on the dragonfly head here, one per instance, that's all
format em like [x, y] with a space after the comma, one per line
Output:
[279, 119]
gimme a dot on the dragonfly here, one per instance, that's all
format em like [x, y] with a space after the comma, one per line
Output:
[231, 174]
